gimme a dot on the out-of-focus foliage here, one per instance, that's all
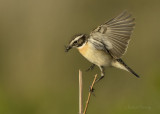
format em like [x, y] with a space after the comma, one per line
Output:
[38, 77]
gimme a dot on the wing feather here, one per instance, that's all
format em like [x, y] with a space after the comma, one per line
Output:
[115, 34]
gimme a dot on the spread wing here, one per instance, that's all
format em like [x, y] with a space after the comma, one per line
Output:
[114, 34]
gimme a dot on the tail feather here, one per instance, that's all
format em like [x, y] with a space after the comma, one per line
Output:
[127, 67]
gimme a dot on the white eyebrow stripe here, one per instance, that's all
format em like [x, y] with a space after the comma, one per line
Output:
[78, 37]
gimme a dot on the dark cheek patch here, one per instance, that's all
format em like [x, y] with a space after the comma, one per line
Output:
[80, 42]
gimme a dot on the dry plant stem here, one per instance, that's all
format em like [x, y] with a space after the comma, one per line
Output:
[89, 95]
[80, 93]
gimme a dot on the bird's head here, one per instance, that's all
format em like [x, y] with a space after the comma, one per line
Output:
[77, 41]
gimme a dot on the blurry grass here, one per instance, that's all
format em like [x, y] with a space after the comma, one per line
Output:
[37, 76]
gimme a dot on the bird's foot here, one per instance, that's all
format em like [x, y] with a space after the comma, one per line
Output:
[91, 90]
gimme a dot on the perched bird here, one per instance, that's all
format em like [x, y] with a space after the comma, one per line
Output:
[107, 43]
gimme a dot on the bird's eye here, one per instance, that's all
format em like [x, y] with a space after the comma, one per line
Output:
[75, 42]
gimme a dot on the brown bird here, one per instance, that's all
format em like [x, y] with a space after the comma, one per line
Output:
[107, 43]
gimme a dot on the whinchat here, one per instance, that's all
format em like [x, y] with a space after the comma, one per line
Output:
[107, 43]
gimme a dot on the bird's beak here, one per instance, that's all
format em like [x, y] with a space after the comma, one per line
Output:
[68, 48]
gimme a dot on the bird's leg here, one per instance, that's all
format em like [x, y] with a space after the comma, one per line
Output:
[102, 76]
[102, 73]
[91, 67]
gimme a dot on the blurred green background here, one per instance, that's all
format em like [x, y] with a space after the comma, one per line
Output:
[38, 77]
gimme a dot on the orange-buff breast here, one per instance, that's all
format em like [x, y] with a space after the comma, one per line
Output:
[83, 49]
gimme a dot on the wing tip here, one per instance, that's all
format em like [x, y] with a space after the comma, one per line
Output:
[124, 15]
